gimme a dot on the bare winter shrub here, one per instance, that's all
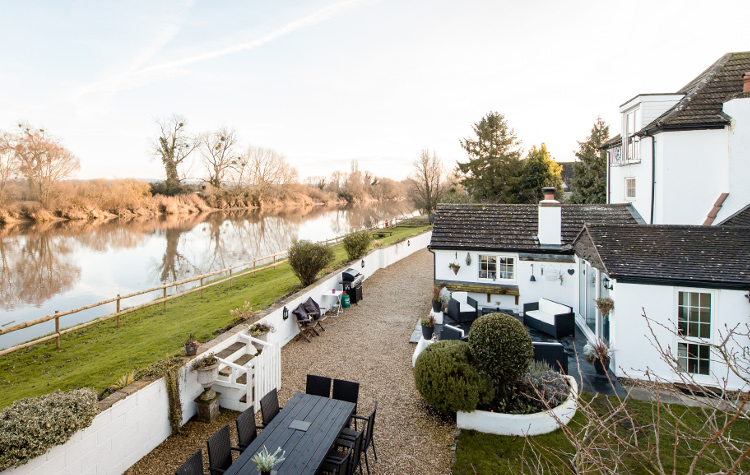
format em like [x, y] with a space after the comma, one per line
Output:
[688, 427]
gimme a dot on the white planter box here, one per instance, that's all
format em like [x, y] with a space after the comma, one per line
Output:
[521, 424]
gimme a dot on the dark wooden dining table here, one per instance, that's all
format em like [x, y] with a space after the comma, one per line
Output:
[305, 449]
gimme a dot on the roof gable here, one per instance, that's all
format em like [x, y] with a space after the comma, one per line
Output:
[740, 218]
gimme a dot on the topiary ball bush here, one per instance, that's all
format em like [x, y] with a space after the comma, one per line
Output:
[357, 243]
[501, 347]
[307, 259]
[447, 380]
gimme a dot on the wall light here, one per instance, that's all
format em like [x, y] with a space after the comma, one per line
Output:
[285, 313]
[363, 263]
[606, 283]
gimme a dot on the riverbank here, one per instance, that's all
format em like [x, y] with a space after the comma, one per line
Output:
[99, 355]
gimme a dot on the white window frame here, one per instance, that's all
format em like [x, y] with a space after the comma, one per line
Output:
[627, 188]
[499, 264]
[683, 340]
[632, 143]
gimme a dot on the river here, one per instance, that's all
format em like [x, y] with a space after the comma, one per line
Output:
[60, 266]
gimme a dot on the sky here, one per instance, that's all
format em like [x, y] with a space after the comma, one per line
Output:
[325, 82]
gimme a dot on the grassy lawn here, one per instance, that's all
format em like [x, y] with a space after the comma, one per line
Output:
[97, 356]
[492, 454]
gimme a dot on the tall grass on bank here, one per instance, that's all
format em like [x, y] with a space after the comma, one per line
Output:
[98, 355]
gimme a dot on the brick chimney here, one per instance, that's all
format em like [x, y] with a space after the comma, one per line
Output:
[746, 84]
[550, 219]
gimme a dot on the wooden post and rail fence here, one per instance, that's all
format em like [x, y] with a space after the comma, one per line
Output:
[163, 300]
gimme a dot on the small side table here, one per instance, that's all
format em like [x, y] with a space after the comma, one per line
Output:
[335, 298]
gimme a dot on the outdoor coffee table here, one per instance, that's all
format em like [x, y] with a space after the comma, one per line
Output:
[306, 445]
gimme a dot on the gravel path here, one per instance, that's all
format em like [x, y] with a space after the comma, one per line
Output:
[369, 343]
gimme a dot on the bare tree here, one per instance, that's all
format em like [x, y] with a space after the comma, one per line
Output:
[8, 162]
[318, 182]
[172, 147]
[427, 181]
[612, 437]
[219, 154]
[43, 161]
[266, 169]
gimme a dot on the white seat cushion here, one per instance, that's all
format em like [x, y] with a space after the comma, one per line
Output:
[553, 308]
[460, 296]
[541, 316]
[465, 307]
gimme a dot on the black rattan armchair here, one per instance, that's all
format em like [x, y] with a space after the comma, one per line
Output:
[348, 435]
[193, 465]
[219, 451]
[269, 406]
[318, 385]
[246, 428]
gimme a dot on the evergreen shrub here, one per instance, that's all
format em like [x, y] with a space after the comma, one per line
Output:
[307, 259]
[446, 379]
[357, 243]
[501, 347]
[30, 426]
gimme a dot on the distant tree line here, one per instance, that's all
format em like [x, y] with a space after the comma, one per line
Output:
[498, 172]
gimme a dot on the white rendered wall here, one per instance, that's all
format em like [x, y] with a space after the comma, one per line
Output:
[739, 158]
[693, 172]
[132, 427]
[631, 339]
[544, 286]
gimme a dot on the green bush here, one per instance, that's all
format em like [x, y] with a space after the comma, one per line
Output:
[501, 347]
[357, 243]
[447, 380]
[307, 259]
[30, 426]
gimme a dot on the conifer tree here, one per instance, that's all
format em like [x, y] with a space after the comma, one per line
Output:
[590, 172]
[539, 170]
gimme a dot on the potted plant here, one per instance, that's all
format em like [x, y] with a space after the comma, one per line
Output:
[260, 329]
[597, 354]
[266, 461]
[454, 266]
[437, 305]
[428, 327]
[605, 305]
[191, 345]
[208, 372]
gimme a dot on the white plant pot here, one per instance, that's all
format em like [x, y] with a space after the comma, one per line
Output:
[522, 424]
[206, 378]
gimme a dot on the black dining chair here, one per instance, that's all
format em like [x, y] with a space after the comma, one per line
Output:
[354, 447]
[246, 428]
[219, 451]
[336, 463]
[318, 385]
[346, 391]
[193, 465]
[348, 435]
[269, 406]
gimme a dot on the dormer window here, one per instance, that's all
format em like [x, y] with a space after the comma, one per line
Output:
[633, 142]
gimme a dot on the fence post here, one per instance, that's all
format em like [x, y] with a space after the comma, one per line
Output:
[165, 296]
[254, 260]
[230, 277]
[118, 310]
[57, 330]
[274, 260]
[201, 287]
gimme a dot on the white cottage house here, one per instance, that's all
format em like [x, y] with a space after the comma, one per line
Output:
[684, 157]
[693, 281]
[507, 255]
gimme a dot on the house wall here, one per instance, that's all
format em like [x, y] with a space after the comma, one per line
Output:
[123, 433]
[739, 158]
[632, 341]
[547, 284]
[693, 173]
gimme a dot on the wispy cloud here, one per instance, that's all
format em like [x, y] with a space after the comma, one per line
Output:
[138, 76]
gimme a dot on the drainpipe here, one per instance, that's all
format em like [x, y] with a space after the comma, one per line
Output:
[434, 266]
[653, 175]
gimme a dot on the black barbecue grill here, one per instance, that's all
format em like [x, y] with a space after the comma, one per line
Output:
[351, 280]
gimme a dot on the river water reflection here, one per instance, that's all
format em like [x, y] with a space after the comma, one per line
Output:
[65, 265]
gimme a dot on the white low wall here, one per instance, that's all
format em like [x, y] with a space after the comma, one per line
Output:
[122, 434]
[521, 424]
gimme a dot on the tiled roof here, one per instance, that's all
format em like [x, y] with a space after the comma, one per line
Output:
[705, 95]
[616, 140]
[740, 218]
[702, 256]
[502, 227]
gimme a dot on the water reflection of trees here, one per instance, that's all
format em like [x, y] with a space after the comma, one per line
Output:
[34, 269]
[355, 217]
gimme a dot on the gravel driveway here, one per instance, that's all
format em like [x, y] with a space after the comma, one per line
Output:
[369, 343]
